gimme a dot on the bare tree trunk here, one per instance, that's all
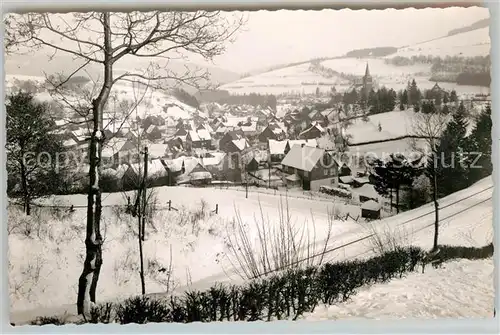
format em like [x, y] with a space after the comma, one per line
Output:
[436, 210]
[87, 284]
[141, 273]
[24, 185]
[397, 199]
[390, 198]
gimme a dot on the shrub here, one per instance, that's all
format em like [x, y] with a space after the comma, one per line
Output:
[281, 296]
[339, 192]
[48, 320]
[383, 239]
[142, 310]
[278, 245]
[102, 313]
[447, 252]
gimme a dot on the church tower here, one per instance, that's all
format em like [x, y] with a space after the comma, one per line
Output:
[367, 82]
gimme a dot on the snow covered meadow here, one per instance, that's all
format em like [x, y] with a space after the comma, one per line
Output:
[193, 245]
[460, 289]
[468, 44]
[293, 79]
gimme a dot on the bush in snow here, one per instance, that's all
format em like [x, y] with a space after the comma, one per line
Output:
[142, 310]
[385, 239]
[281, 296]
[447, 252]
[278, 244]
[339, 192]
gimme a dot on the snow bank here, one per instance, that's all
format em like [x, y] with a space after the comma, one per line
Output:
[460, 289]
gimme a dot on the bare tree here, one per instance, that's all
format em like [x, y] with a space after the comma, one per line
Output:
[429, 128]
[104, 39]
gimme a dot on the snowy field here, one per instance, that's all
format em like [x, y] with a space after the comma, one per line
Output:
[383, 74]
[466, 219]
[149, 101]
[468, 44]
[460, 289]
[297, 79]
[197, 245]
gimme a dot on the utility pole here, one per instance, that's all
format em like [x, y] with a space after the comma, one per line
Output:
[269, 172]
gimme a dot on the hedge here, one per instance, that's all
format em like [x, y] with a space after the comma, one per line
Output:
[282, 296]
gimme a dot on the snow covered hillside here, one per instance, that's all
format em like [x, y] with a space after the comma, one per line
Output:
[468, 44]
[465, 219]
[197, 244]
[294, 79]
[460, 289]
[149, 101]
[387, 75]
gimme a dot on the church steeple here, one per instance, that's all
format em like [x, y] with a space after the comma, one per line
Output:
[367, 71]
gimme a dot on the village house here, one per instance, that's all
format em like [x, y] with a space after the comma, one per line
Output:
[198, 139]
[222, 166]
[111, 151]
[175, 145]
[272, 132]
[187, 170]
[237, 146]
[153, 133]
[229, 136]
[315, 130]
[318, 118]
[370, 210]
[157, 175]
[278, 149]
[309, 168]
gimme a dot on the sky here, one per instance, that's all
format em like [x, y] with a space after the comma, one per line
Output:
[280, 37]
[276, 37]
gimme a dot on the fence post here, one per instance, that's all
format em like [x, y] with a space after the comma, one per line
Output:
[216, 208]
[170, 205]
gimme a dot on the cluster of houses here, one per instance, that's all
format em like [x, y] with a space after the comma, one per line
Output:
[219, 144]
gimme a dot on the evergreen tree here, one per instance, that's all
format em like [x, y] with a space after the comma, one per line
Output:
[428, 107]
[390, 175]
[438, 100]
[33, 165]
[453, 96]
[452, 158]
[446, 98]
[480, 140]
[401, 106]
[414, 93]
[445, 109]
[404, 97]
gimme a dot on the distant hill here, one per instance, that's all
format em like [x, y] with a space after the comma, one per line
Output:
[476, 25]
[39, 65]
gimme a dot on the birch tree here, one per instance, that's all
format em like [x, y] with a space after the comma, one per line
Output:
[429, 128]
[103, 40]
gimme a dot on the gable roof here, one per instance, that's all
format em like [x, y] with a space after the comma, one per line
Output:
[303, 157]
[371, 205]
[213, 158]
[241, 144]
[204, 135]
[276, 147]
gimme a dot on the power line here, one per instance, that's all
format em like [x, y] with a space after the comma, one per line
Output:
[371, 235]
[432, 224]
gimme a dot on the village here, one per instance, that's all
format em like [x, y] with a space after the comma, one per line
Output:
[299, 148]
[190, 167]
